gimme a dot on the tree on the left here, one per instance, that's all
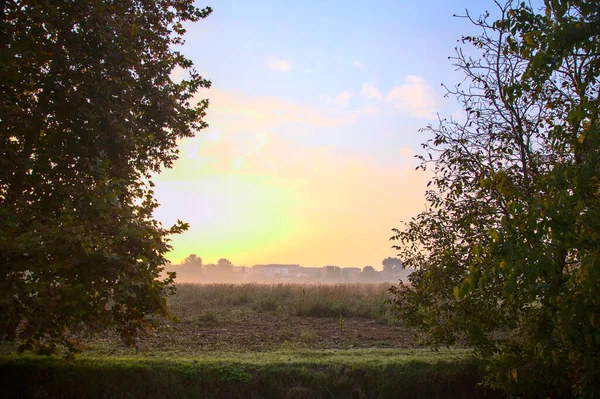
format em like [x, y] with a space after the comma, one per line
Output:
[90, 109]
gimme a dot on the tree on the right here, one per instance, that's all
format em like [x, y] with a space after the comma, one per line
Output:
[506, 256]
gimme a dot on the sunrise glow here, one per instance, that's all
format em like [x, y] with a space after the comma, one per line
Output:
[309, 157]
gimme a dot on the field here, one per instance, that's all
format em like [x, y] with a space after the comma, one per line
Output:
[255, 317]
[258, 341]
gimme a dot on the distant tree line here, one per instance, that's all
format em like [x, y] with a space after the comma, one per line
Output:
[193, 269]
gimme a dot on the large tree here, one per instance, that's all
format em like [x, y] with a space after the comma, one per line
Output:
[507, 254]
[88, 111]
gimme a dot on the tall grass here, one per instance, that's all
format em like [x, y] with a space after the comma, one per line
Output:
[306, 300]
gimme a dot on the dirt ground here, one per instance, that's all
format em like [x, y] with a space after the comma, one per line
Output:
[268, 332]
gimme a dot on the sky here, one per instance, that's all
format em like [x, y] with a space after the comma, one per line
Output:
[315, 111]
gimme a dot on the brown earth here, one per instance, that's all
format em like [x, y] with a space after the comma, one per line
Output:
[267, 332]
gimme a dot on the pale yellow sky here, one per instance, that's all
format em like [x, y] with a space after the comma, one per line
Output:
[253, 196]
[314, 116]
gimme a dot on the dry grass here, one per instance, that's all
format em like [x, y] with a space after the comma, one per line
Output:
[307, 300]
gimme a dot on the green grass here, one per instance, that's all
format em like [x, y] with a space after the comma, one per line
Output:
[367, 373]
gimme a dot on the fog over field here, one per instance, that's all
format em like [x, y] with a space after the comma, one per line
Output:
[193, 270]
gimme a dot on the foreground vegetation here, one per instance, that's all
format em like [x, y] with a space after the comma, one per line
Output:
[293, 374]
[251, 340]
[510, 234]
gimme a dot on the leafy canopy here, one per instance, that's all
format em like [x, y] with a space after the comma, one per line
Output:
[507, 254]
[88, 110]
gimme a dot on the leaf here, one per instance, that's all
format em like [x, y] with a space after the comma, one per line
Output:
[495, 235]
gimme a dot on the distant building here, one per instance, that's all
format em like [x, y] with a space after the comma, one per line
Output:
[276, 270]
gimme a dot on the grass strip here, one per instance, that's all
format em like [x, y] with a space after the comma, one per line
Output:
[389, 373]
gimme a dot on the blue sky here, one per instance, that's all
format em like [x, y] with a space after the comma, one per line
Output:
[314, 118]
[331, 48]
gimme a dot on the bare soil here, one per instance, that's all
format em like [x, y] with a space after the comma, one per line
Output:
[266, 332]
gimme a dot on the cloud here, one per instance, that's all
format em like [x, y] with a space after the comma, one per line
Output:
[415, 97]
[358, 64]
[248, 113]
[370, 91]
[280, 65]
[341, 99]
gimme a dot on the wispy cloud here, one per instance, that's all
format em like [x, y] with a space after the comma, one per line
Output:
[415, 97]
[258, 114]
[358, 64]
[370, 91]
[279, 65]
[341, 99]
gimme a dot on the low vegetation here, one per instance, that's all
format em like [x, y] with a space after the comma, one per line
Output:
[258, 317]
[310, 300]
[284, 374]
[262, 341]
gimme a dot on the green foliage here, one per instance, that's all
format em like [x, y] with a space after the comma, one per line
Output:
[290, 374]
[507, 254]
[88, 113]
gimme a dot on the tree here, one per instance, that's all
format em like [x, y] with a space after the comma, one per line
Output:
[392, 265]
[88, 112]
[225, 265]
[194, 261]
[507, 253]
[369, 273]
